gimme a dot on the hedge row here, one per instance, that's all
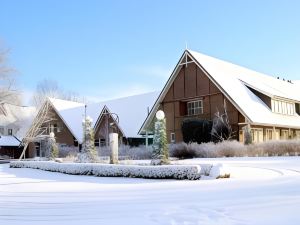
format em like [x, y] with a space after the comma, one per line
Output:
[190, 172]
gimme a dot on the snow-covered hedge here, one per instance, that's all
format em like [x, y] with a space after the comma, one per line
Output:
[191, 172]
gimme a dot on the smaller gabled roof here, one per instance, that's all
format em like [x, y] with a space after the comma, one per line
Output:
[9, 141]
[131, 111]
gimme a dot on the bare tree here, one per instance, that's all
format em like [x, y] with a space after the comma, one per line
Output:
[39, 129]
[50, 88]
[8, 92]
[221, 128]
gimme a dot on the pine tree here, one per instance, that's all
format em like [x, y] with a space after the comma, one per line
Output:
[160, 154]
[88, 153]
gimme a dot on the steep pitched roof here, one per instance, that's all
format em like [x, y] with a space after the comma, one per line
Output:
[233, 80]
[131, 111]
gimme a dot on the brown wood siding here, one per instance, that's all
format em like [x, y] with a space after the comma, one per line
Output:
[179, 85]
[190, 81]
[192, 84]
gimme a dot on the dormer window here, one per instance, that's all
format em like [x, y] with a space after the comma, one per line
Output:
[283, 107]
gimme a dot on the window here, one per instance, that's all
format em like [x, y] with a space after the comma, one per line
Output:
[241, 136]
[102, 142]
[97, 142]
[75, 143]
[9, 131]
[269, 134]
[53, 128]
[257, 135]
[195, 107]
[1, 130]
[282, 107]
[284, 134]
[172, 137]
[37, 146]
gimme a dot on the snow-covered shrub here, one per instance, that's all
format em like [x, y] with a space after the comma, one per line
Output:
[88, 152]
[128, 152]
[235, 149]
[275, 148]
[221, 129]
[160, 154]
[230, 149]
[191, 172]
[66, 151]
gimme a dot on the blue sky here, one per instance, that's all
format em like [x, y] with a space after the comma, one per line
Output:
[105, 49]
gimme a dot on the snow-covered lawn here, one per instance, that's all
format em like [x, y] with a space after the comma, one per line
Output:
[261, 191]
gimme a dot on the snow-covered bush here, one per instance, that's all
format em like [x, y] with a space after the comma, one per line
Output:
[191, 172]
[235, 149]
[88, 152]
[66, 151]
[128, 152]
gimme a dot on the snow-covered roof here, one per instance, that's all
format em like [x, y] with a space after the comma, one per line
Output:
[131, 110]
[233, 81]
[18, 116]
[10, 141]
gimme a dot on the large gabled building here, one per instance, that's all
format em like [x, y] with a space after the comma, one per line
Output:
[201, 85]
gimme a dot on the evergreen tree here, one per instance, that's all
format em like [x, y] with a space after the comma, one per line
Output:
[88, 153]
[160, 154]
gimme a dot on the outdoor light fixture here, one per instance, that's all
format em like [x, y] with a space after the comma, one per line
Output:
[160, 115]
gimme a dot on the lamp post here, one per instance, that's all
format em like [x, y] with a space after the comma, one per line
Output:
[113, 138]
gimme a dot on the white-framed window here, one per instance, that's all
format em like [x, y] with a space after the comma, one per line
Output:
[257, 135]
[241, 136]
[97, 142]
[102, 142]
[172, 138]
[269, 134]
[195, 107]
[10, 132]
[283, 107]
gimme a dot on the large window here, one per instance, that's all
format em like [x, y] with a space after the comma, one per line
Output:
[1, 130]
[282, 107]
[195, 107]
[269, 134]
[257, 135]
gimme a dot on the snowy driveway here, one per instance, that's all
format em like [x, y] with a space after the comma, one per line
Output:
[261, 191]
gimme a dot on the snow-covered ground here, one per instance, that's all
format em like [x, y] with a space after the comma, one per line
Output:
[261, 191]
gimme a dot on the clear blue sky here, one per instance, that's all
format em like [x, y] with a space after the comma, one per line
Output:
[112, 48]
